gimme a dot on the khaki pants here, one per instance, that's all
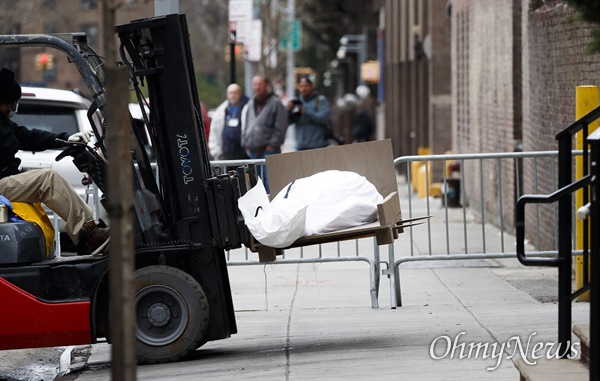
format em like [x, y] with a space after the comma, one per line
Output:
[50, 188]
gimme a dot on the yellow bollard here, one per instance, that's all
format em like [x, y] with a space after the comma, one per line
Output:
[586, 99]
[424, 179]
[414, 175]
[414, 168]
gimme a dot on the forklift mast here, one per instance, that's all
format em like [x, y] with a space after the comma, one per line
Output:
[159, 52]
[194, 205]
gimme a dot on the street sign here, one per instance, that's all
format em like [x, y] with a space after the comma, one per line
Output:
[232, 32]
[291, 34]
[252, 42]
[240, 10]
[369, 71]
[240, 19]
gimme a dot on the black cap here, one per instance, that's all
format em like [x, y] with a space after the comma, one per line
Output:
[306, 78]
[10, 90]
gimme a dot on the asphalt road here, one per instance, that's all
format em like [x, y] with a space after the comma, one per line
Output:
[39, 364]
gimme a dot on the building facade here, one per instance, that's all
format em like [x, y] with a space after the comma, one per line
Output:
[59, 16]
[497, 76]
[417, 82]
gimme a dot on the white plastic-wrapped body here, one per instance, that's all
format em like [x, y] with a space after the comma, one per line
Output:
[324, 202]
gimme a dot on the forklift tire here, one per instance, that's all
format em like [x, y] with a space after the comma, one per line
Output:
[171, 312]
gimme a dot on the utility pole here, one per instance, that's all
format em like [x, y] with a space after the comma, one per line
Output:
[120, 197]
[232, 62]
[291, 64]
[165, 7]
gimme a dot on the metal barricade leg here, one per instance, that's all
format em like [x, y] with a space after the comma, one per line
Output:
[375, 276]
[394, 277]
[56, 244]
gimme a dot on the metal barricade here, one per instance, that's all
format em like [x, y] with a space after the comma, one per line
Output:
[361, 250]
[480, 227]
[468, 231]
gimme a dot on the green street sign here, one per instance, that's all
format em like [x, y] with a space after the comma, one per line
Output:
[291, 34]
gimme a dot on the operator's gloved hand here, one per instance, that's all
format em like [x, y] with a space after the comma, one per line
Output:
[84, 136]
[5, 201]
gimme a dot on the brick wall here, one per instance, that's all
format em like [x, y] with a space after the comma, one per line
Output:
[440, 83]
[515, 70]
[555, 63]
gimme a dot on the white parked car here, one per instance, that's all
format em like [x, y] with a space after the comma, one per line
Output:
[57, 111]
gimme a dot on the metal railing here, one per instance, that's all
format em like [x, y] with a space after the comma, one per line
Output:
[478, 177]
[360, 250]
[483, 225]
[567, 186]
[594, 140]
[469, 232]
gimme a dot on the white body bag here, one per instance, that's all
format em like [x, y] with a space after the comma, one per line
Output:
[324, 202]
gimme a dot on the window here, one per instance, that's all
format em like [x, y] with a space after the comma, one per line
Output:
[49, 28]
[48, 118]
[92, 33]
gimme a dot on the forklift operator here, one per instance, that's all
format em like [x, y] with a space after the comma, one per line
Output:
[43, 185]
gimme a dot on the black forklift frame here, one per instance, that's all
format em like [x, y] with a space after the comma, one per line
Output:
[185, 217]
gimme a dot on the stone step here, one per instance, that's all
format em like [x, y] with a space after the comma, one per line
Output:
[583, 332]
[552, 370]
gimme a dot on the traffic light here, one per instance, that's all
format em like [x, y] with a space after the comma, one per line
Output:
[44, 61]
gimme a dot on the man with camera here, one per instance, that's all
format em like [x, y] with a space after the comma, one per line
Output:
[310, 113]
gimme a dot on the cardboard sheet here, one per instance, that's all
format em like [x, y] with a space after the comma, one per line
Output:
[373, 160]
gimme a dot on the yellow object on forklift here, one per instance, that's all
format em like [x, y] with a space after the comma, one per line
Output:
[35, 213]
[586, 99]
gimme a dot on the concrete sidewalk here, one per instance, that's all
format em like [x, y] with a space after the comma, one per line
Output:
[306, 322]
[315, 321]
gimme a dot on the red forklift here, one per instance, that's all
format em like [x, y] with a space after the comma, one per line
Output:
[185, 218]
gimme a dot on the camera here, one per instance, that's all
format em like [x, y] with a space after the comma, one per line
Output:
[296, 113]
